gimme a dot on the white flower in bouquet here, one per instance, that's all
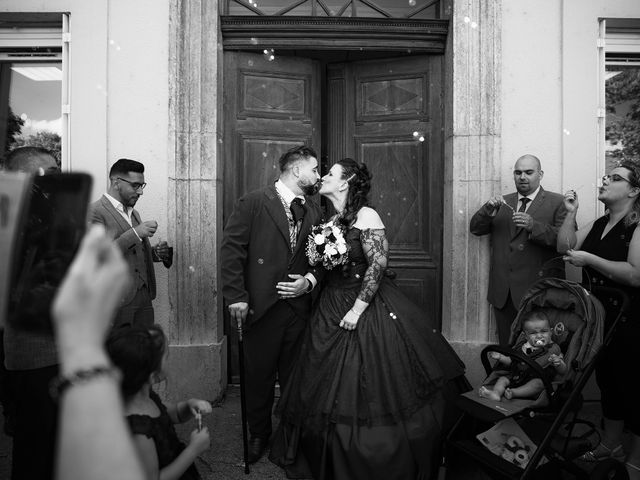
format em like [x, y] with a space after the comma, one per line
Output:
[327, 245]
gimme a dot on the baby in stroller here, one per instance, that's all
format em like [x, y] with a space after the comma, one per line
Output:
[516, 379]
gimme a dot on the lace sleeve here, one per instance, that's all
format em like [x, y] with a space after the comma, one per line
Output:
[376, 249]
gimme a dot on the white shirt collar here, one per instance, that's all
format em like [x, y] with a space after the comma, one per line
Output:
[286, 193]
[531, 196]
[117, 204]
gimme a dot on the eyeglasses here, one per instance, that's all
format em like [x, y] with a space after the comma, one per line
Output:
[135, 185]
[616, 178]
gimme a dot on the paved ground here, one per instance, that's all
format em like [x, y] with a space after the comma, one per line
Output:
[224, 460]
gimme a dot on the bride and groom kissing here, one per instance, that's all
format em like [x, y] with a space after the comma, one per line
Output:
[363, 373]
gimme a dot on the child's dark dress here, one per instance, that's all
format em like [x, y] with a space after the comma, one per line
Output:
[161, 430]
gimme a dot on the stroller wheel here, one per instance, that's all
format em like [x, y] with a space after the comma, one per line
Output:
[609, 469]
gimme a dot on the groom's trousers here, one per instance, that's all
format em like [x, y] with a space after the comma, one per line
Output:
[270, 347]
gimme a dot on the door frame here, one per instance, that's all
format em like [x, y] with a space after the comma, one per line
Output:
[334, 33]
[306, 34]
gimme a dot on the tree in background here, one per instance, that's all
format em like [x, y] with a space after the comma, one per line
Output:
[623, 114]
[14, 128]
[45, 139]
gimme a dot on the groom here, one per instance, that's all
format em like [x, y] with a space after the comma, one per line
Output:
[267, 280]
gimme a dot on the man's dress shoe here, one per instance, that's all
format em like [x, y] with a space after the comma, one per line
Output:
[257, 446]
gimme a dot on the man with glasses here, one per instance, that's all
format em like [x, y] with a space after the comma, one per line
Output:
[523, 227]
[115, 211]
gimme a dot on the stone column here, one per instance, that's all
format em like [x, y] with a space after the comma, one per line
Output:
[472, 169]
[197, 354]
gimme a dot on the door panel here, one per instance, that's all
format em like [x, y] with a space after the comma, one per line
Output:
[390, 119]
[269, 107]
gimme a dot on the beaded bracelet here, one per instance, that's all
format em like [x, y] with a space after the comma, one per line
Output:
[61, 383]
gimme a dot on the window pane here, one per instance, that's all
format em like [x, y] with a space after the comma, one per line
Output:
[622, 135]
[34, 105]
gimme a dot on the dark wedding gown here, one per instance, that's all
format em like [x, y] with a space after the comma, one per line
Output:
[369, 403]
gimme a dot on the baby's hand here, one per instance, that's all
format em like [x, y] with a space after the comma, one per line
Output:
[200, 440]
[556, 360]
[495, 355]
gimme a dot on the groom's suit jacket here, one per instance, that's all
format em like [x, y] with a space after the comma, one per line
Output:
[138, 254]
[256, 252]
[517, 256]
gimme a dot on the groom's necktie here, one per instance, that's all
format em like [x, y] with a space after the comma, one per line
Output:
[298, 209]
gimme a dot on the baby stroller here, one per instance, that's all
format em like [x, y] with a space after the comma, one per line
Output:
[522, 438]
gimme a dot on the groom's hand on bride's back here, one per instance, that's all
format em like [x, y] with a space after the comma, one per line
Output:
[238, 312]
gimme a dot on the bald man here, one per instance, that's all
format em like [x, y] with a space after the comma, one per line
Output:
[523, 226]
[31, 363]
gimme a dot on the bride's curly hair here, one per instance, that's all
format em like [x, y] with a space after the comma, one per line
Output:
[359, 180]
[632, 164]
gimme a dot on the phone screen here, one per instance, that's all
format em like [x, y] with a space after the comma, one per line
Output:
[55, 224]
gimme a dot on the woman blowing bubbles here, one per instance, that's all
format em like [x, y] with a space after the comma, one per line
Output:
[608, 250]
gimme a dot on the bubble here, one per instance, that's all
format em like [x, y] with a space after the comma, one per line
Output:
[421, 139]
[467, 19]
[24, 117]
[192, 269]
[111, 42]
[416, 134]
[269, 54]
[566, 132]
[250, 63]
[264, 154]
[474, 25]
[461, 212]
[254, 40]
[412, 3]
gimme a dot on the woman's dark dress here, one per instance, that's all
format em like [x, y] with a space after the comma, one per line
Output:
[161, 430]
[616, 368]
[365, 404]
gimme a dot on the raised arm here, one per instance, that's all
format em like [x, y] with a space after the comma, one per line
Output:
[376, 249]
[568, 235]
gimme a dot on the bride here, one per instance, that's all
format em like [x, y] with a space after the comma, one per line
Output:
[366, 399]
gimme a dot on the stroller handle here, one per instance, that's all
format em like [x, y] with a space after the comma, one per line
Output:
[510, 352]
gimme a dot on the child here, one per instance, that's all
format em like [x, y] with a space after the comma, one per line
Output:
[519, 381]
[138, 352]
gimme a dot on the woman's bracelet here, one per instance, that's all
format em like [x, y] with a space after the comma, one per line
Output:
[62, 382]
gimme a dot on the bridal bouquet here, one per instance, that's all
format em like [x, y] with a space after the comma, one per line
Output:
[327, 245]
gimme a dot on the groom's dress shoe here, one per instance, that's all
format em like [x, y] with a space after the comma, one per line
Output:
[257, 446]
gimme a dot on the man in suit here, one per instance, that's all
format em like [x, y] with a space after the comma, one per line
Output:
[267, 280]
[523, 227]
[115, 211]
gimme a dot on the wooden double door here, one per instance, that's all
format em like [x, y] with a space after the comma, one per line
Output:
[386, 113]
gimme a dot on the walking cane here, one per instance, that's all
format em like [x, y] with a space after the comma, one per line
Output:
[243, 400]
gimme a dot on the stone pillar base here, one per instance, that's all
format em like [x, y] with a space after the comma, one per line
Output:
[195, 371]
[469, 353]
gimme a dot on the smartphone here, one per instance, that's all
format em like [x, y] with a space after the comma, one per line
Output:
[55, 222]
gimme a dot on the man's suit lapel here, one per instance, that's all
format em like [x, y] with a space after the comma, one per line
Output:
[122, 223]
[276, 211]
[537, 202]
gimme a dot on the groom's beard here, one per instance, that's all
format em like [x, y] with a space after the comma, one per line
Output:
[310, 189]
